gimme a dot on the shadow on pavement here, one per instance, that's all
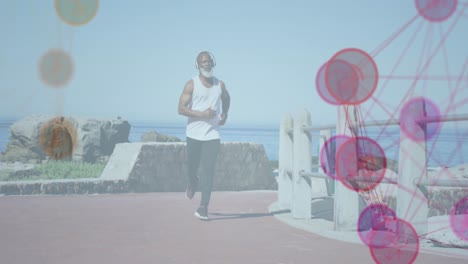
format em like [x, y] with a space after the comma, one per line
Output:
[224, 216]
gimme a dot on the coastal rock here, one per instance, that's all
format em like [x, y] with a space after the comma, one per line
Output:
[94, 138]
[153, 136]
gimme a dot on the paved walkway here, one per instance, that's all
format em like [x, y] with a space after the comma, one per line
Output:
[161, 228]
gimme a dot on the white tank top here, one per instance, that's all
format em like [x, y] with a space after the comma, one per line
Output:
[203, 98]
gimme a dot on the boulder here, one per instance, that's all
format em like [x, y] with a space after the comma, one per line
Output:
[93, 138]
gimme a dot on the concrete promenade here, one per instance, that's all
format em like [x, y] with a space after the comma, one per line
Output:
[161, 228]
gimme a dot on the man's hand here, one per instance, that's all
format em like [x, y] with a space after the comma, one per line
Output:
[222, 119]
[208, 113]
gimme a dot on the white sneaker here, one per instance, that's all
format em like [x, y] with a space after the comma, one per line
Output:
[202, 213]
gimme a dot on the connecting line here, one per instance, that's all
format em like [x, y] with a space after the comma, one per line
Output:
[423, 189]
[387, 42]
[423, 77]
[437, 230]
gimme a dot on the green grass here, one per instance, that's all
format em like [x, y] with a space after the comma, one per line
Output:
[59, 170]
[4, 174]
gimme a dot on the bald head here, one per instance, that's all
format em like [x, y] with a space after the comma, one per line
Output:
[205, 64]
[205, 57]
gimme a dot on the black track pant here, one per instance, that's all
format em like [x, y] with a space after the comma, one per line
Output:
[206, 154]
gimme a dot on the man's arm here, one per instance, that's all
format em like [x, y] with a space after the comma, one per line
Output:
[184, 101]
[226, 102]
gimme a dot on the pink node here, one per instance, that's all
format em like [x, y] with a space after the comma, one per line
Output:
[363, 158]
[342, 81]
[322, 87]
[402, 246]
[459, 218]
[412, 117]
[373, 219]
[76, 12]
[56, 68]
[351, 76]
[436, 10]
[328, 153]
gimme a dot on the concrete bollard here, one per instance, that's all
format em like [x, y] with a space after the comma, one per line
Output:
[285, 162]
[302, 192]
[325, 135]
[346, 208]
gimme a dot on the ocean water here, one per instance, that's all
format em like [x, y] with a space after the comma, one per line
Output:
[447, 148]
[5, 133]
[268, 136]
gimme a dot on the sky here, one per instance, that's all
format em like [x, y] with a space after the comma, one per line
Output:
[134, 57]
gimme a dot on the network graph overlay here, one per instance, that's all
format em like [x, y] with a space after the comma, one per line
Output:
[416, 83]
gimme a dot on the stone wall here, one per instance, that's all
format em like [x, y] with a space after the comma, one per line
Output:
[240, 166]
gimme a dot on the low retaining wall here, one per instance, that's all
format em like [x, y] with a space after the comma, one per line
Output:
[76, 186]
[156, 167]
